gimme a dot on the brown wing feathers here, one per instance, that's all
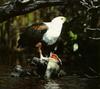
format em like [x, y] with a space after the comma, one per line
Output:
[39, 27]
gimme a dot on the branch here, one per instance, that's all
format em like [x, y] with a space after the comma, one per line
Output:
[93, 38]
[89, 4]
[19, 7]
[92, 29]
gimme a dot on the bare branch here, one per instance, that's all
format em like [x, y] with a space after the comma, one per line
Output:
[93, 29]
[89, 5]
[84, 3]
[94, 38]
[20, 7]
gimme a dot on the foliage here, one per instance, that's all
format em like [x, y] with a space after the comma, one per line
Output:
[72, 35]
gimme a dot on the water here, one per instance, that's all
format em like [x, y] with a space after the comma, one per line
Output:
[67, 82]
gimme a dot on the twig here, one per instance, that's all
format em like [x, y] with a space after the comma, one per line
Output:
[89, 5]
[93, 38]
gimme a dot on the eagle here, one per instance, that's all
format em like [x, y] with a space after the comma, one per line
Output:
[39, 39]
[43, 34]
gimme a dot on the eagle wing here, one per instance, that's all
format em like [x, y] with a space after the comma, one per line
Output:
[31, 35]
[39, 27]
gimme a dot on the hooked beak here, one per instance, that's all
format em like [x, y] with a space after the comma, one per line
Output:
[65, 19]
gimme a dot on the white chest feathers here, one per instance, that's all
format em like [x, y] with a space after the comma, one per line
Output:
[52, 34]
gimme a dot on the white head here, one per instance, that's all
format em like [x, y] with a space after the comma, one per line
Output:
[59, 19]
[54, 30]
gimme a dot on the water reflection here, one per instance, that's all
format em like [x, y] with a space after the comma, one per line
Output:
[31, 82]
[52, 85]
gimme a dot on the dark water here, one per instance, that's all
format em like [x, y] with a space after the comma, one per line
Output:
[68, 82]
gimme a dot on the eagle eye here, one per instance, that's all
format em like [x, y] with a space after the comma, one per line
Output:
[62, 18]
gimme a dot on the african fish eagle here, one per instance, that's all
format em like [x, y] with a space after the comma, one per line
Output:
[46, 33]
